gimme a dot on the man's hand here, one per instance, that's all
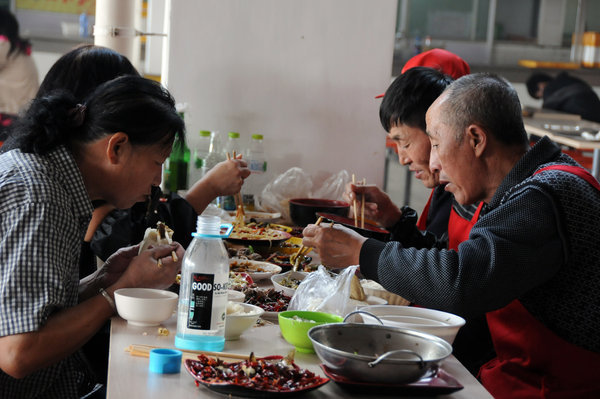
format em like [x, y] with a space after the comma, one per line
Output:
[337, 246]
[378, 205]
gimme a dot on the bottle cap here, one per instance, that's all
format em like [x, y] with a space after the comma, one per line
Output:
[204, 133]
[257, 136]
[233, 135]
[165, 361]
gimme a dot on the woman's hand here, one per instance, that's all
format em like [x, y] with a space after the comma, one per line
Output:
[225, 178]
[338, 246]
[378, 205]
[153, 268]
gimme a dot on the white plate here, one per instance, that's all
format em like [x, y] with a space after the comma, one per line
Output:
[259, 216]
[257, 270]
[277, 278]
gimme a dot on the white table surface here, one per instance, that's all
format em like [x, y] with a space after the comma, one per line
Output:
[128, 376]
[537, 127]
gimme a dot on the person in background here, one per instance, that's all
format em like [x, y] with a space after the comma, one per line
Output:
[531, 262]
[565, 93]
[18, 73]
[70, 153]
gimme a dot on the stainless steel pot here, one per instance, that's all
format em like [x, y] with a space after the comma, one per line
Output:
[378, 354]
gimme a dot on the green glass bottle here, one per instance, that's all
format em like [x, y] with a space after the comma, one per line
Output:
[176, 166]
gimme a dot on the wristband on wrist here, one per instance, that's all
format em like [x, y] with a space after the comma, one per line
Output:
[111, 301]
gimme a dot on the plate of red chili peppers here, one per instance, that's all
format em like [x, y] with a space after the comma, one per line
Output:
[271, 376]
[271, 301]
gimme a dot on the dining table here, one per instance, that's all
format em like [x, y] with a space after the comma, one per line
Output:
[569, 133]
[129, 376]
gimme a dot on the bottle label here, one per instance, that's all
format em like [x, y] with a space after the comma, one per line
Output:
[257, 166]
[226, 202]
[202, 291]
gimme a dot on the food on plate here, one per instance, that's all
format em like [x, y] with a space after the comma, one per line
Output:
[283, 260]
[245, 266]
[248, 232]
[244, 253]
[240, 281]
[356, 290]
[272, 374]
[270, 300]
[291, 244]
[290, 282]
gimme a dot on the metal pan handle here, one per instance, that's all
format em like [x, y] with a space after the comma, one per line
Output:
[364, 312]
[386, 354]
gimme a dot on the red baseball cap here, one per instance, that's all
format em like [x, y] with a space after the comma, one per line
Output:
[440, 59]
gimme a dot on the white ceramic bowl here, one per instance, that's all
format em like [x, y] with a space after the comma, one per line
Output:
[276, 279]
[236, 324]
[235, 296]
[145, 306]
[441, 324]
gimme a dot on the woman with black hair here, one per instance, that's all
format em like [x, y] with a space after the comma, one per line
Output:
[18, 74]
[108, 148]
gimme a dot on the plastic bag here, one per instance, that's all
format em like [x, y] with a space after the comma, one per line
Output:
[333, 188]
[294, 183]
[213, 210]
[321, 292]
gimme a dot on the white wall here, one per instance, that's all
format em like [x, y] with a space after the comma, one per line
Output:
[302, 73]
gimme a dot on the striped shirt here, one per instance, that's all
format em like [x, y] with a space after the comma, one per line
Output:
[44, 213]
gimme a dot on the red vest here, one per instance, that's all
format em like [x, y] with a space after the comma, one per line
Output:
[458, 228]
[532, 361]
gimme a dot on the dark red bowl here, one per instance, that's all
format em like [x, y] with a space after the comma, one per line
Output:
[370, 230]
[303, 211]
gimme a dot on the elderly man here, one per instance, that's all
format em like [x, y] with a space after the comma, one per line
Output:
[531, 262]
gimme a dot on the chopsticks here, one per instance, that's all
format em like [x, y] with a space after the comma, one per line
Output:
[144, 351]
[354, 204]
[296, 258]
[239, 204]
[362, 205]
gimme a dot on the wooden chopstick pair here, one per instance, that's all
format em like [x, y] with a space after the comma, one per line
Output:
[296, 258]
[239, 203]
[144, 351]
[362, 205]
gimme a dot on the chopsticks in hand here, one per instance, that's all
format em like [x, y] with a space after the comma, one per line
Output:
[296, 258]
[362, 204]
[239, 204]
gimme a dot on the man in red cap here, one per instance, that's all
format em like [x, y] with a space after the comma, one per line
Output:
[443, 223]
[442, 60]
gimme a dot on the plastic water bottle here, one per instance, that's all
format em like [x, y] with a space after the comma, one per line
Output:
[203, 292]
[257, 163]
[232, 144]
[201, 151]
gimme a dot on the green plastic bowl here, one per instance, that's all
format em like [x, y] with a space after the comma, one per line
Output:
[296, 331]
